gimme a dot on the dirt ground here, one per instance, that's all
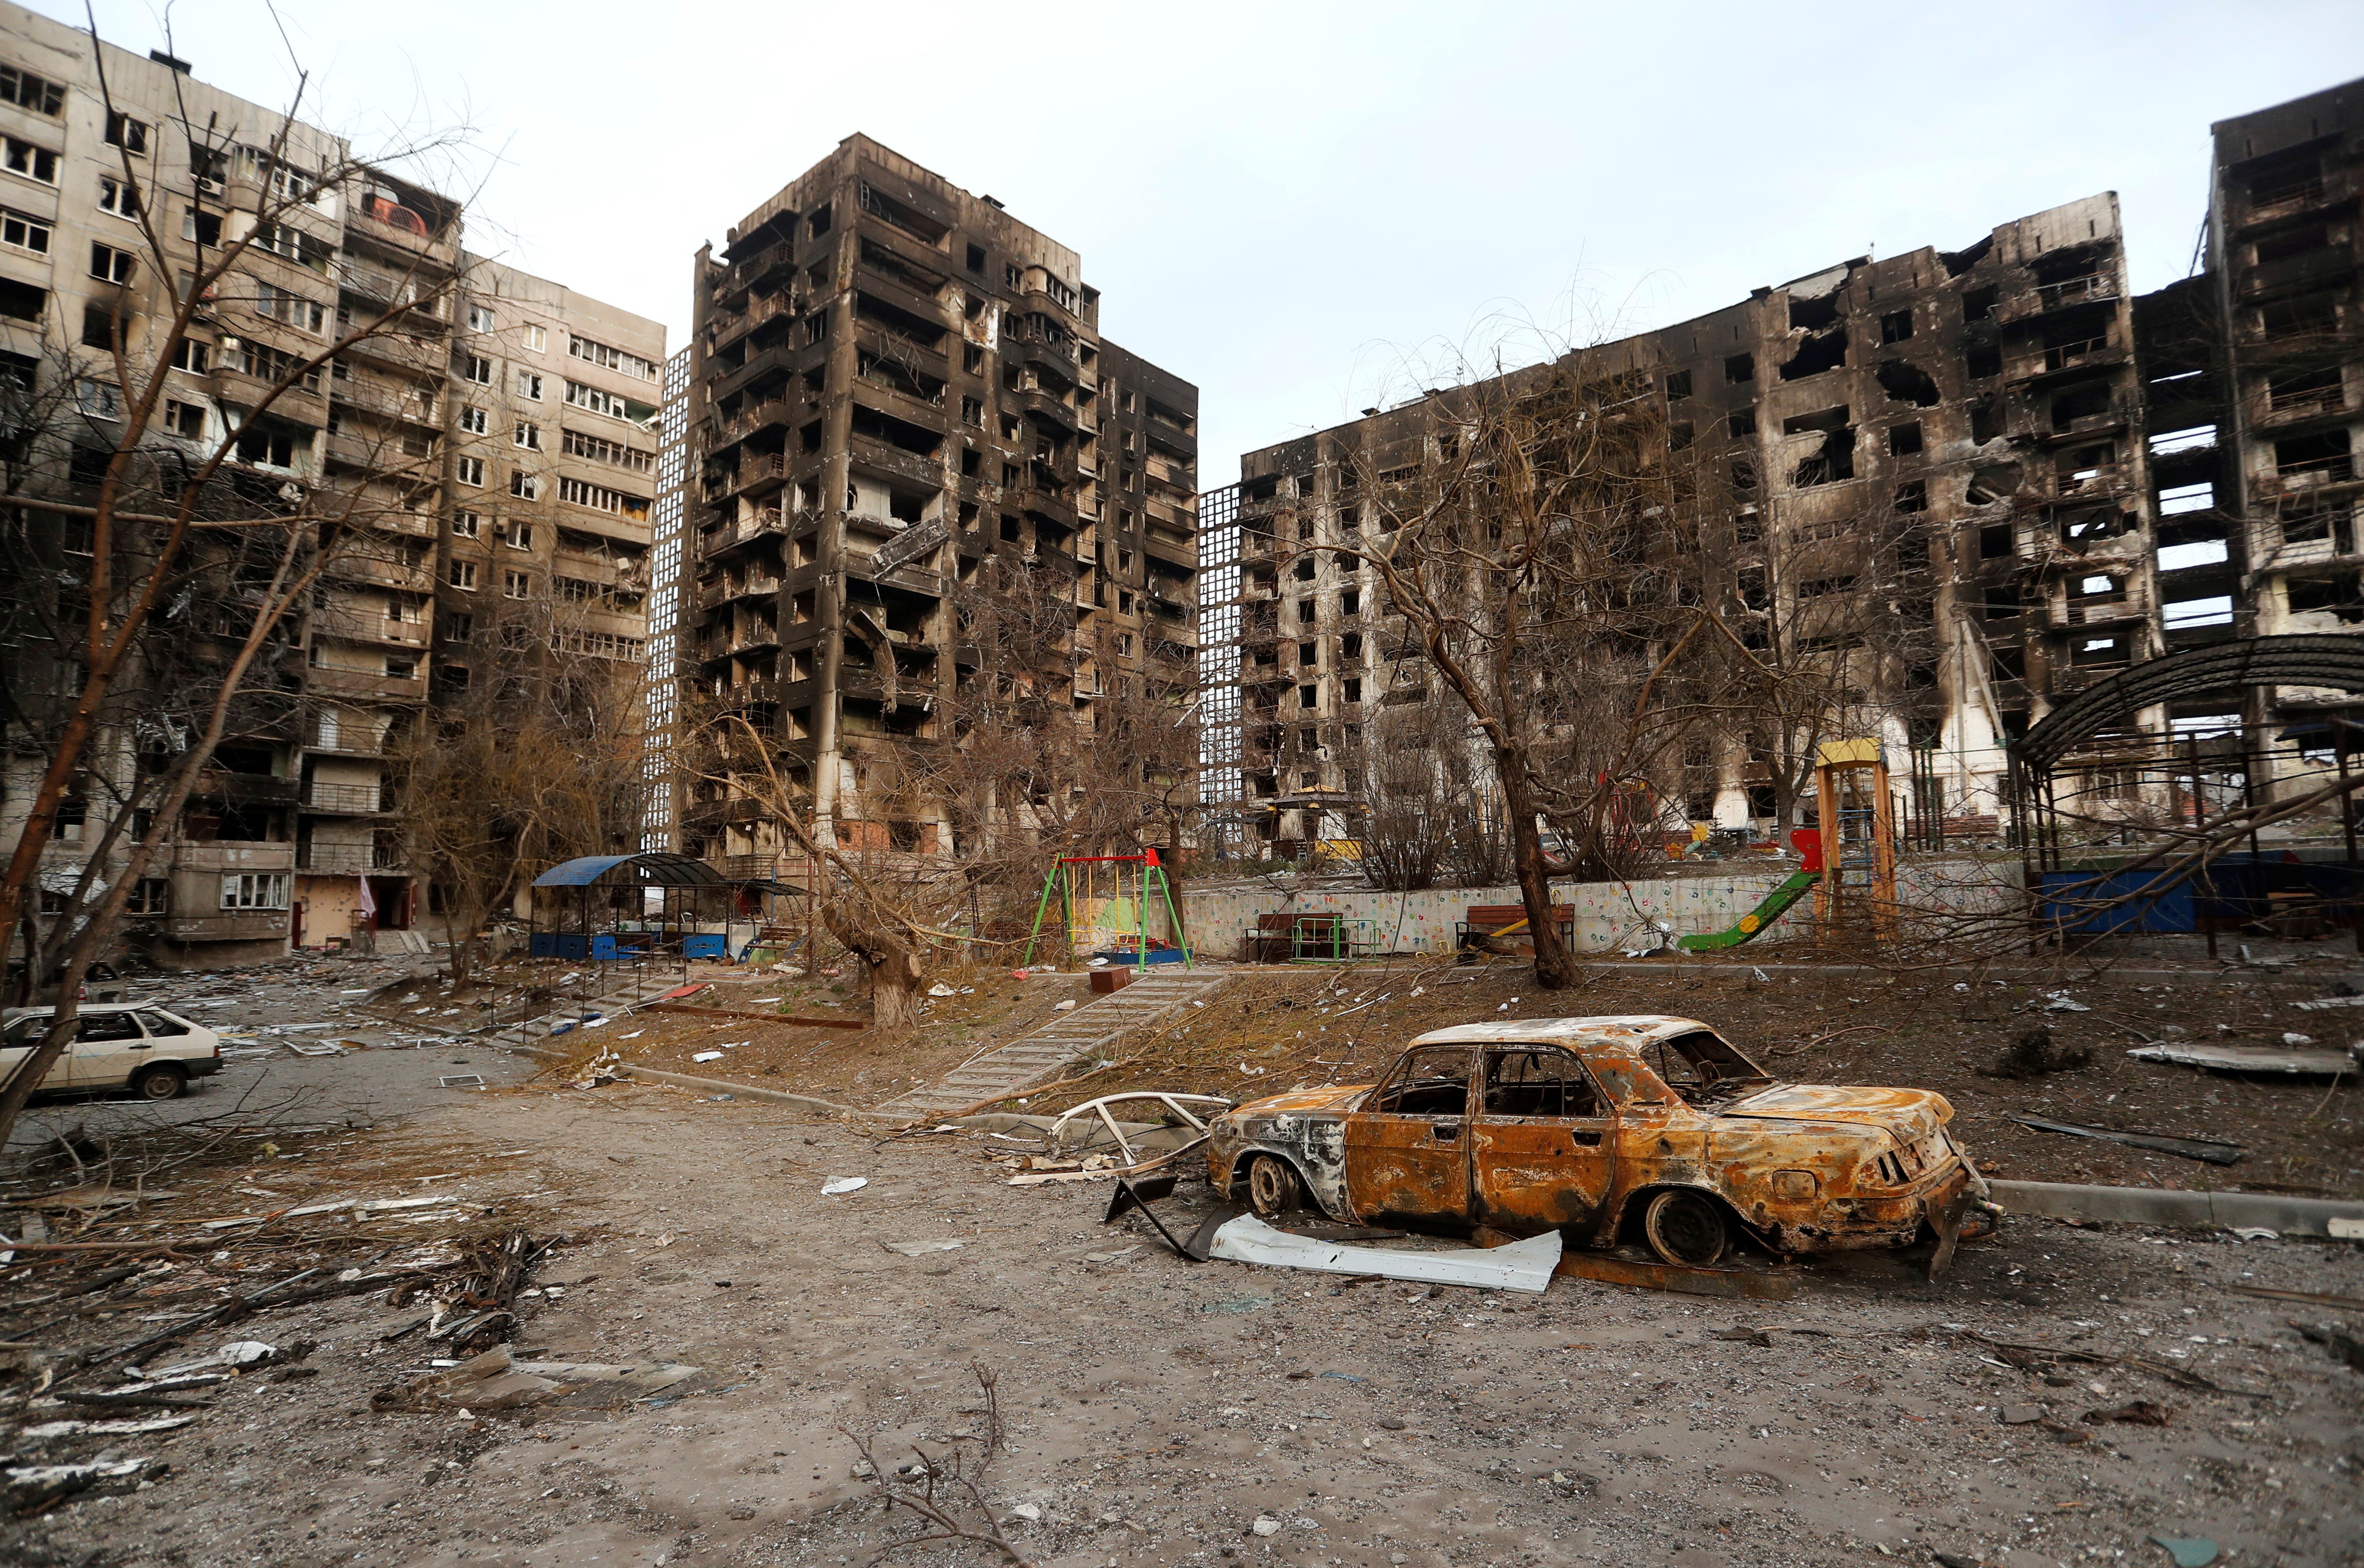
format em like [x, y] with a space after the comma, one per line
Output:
[1160, 1411]
[1276, 1027]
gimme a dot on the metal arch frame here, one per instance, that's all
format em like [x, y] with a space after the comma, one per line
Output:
[2299, 660]
[2331, 661]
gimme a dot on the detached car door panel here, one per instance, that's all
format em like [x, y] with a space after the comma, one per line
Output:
[1544, 1145]
[1407, 1148]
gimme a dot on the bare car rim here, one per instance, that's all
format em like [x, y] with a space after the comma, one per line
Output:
[157, 1083]
[1685, 1227]
[1272, 1185]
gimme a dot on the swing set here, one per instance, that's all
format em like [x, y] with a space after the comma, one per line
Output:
[1103, 917]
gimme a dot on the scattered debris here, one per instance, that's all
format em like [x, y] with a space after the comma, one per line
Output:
[2249, 1059]
[2345, 1348]
[2134, 1413]
[496, 1379]
[2195, 1552]
[1522, 1266]
[2189, 1147]
[2034, 1054]
[2060, 1002]
[838, 1185]
[919, 1249]
[463, 1080]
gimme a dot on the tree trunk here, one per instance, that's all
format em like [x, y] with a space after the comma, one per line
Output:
[892, 964]
[1555, 966]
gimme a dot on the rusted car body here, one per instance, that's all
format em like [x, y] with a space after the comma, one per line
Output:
[1600, 1126]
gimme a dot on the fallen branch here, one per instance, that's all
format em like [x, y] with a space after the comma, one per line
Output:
[941, 1487]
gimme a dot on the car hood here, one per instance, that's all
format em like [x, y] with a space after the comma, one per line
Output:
[1910, 1114]
[1328, 1097]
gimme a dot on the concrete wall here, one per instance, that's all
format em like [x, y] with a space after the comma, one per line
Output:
[1609, 914]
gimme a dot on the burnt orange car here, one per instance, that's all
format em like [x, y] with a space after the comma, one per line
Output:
[1605, 1128]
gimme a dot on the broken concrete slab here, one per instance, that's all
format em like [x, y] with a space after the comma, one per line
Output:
[2249, 1059]
[1523, 1265]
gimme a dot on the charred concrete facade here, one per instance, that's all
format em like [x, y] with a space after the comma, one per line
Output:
[2280, 387]
[899, 393]
[1952, 437]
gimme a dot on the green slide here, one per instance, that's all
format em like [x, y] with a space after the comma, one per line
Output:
[1777, 904]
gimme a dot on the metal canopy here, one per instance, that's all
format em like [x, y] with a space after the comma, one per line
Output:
[643, 870]
[2303, 660]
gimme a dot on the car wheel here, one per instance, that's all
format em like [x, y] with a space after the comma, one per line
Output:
[159, 1083]
[1273, 1186]
[1686, 1228]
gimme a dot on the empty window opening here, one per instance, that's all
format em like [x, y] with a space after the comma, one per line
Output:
[1895, 325]
[1821, 352]
[2299, 241]
[2091, 401]
[1911, 496]
[1740, 368]
[2297, 392]
[1740, 427]
[2216, 610]
[1977, 304]
[2001, 601]
[1983, 361]
[2099, 650]
[2199, 552]
[2336, 595]
[1678, 385]
[1903, 441]
[2320, 459]
[1906, 382]
[1996, 542]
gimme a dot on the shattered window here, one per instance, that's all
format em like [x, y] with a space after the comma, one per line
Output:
[1431, 1081]
[1538, 1083]
[1700, 1067]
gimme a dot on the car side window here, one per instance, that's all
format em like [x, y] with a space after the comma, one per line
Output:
[1432, 1081]
[24, 1032]
[157, 1024]
[109, 1026]
[1539, 1082]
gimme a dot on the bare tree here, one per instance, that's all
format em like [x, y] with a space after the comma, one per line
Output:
[166, 536]
[531, 757]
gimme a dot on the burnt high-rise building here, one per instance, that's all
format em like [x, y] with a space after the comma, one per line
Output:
[902, 422]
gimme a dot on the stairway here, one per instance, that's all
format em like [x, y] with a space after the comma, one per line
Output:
[1035, 1058]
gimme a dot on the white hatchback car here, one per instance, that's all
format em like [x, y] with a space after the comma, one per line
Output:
[119, 1045]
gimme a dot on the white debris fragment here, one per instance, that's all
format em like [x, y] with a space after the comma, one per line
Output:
[838, 1185]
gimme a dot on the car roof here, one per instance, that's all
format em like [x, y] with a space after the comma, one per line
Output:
[86, 1010]
[1612, 1028]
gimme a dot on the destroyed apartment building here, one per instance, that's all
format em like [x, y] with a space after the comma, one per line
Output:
[487, 455]
[1987, 477]
[932, 511]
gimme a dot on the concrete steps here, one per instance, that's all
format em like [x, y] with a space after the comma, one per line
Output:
[1037, 1058]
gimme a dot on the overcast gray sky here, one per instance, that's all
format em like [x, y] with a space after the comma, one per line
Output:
[1286, 204]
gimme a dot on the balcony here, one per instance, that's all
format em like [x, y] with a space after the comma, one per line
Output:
[399, 229]
[233, 855]
[380, 455]
[368, 625]
[420, 356]
[344, 800]
[244, 789]
[230, 925]
[2036, 361]
[364, 684]
[351, 568]
[758, 473]
[337, 860]
[2097, 612]
[723, 590]
[763, 416]
[755, 525]
[377, 397]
